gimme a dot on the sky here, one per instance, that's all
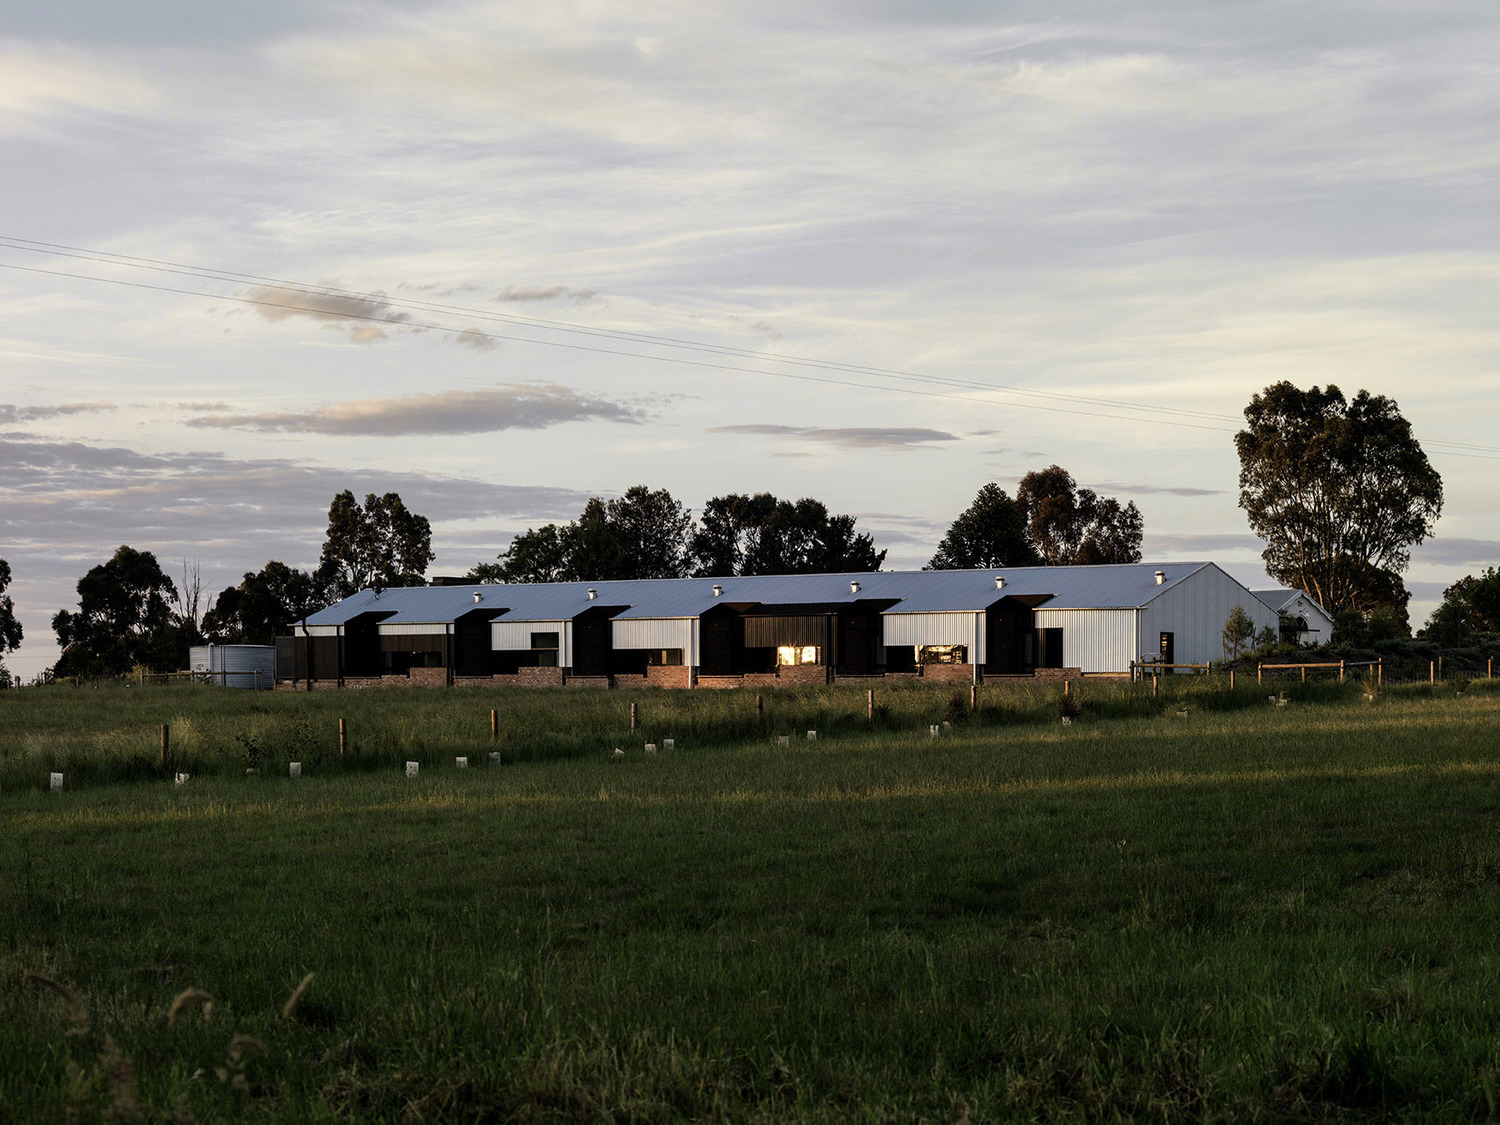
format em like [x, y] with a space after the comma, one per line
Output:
[502, 257]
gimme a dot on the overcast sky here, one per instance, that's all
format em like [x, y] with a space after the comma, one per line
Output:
[876, 253]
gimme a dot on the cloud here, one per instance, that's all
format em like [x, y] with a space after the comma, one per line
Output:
[1167, 489]
[512, 406]
[474, 338]
[851, 437]
[1452, 550]
[548, 293]
[10, 414]
[362, 314]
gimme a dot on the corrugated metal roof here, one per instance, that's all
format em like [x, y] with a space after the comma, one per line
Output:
[914, 591]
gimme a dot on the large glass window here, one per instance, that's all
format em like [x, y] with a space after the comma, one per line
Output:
[797, 654]
[942, 654]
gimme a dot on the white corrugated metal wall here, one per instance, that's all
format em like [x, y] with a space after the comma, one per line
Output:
[1194, 611]
[659, 633]
[515, 636]
[937, 629]
[1094, 640]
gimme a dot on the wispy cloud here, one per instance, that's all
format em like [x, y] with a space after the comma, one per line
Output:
[544, 293]
[10, 414]
[362, 314]
[846, 437]
[516, 406]
[1162, 489]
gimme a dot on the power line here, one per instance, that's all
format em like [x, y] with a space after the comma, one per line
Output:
[1140, 412]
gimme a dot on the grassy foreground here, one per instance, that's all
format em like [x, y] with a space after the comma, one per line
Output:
[1249, 915]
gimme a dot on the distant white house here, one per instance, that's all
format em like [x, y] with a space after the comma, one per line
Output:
[1303, 620]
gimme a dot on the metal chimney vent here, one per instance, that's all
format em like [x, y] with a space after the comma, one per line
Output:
[478, 597]
[1161, 576]
[593, 593]
[853, 586]
[718, 589]
[999, 581]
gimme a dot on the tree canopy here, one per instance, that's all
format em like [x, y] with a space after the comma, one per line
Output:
[378, 545]
[643, 534]
[1340, 490]
[1072, 526]
[648, 534]
[262, 606]
[124, 618]
[1050, 522]
[760, 534]
[10, 626]
[991, 532]
[1469, 611]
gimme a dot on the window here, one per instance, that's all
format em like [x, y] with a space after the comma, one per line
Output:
[942, 654]
[664, 658]
[544, 646]
[1050, 646]
[797, 654]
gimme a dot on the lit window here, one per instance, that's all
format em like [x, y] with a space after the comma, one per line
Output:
[942, 654]
[797, 654]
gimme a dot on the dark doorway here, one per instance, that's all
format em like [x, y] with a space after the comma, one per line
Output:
[1168, 649]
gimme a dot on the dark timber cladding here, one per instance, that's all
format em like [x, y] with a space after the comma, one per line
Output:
[593, 640]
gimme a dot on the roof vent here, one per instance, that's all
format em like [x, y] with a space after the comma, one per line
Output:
[478, 597]
[718, 589]
[999, 581]
[854, 585]
[593, 593]
[1161, 576]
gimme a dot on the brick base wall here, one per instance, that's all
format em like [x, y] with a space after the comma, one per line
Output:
[586, 681]
[669, 676]
[948, 673]
[1058, 674]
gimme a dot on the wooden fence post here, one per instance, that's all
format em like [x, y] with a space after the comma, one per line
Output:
[1231, 679]
[166, 755]
[632, 716]
[1257, 674]
[974, 696]
[1341, 671]
[494, 725]
[343, 737]
[1380, 671]
[1432, 671]
[870, 705]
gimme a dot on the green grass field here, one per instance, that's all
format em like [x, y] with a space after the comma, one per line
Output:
[1246, 913]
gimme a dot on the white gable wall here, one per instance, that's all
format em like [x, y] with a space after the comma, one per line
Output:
[1194, 611]
[659, 633]
[1094, 640]
[936, 629]
[515, 636]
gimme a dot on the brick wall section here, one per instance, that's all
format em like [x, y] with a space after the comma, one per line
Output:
[1058, 674]
[586, 681]
[948, 673]
[427, 677]
[669, 676]
[803, 675]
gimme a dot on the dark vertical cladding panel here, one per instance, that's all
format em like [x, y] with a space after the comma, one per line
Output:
[286, 659]
[362, 647]
[722, 636]
[471, 643]
[859, 638]
[325, 658]
[1008, 628]
[592, 645]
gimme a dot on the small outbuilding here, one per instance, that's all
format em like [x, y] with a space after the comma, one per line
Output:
[236, 666]
[1302, 620]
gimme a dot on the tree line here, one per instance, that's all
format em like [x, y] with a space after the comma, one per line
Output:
[1340, 490]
